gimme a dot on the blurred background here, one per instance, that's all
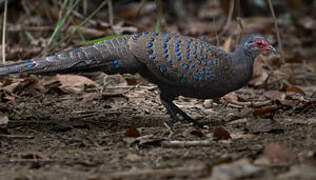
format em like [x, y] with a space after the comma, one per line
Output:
[95, 126]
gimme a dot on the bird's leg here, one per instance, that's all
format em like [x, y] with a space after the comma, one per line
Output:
[173, 110]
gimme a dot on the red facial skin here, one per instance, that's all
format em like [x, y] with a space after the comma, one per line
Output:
[261, 44]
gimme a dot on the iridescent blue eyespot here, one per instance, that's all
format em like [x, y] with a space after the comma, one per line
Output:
[196, 69]
[163, 68]
[188, 50]
[137, 35]
[186, 66]
[165, 50]
[194, 47]
[178, 58]
[202, 47]
[202, 67]
[164, 45]
[151, 39]
[165, 55]
[169, 61]
[178, 53]
[115, 61]
[204, 63]
[209, 76]
[195, 55]
[177, 49]
[117, 66]
[30, 65]
[194, 51]
[198, 62]
[192, 65]
[187, 46]
[205, 44]
[150, 51]
[167, 39]
[152, 57]
[179, 41]
[202, 72]
[188, 54]
[149, 45]
[176, 45]
[146, 32]
[202, 57]
[196, 77]
[155, 34]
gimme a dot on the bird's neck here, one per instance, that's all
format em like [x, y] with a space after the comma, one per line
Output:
[242, 67]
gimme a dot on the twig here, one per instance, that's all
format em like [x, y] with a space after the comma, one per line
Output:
[182, 144]
[16, 136]
[161, 172]
[110, 7]
[85, 7]
[4, 29]
[229, 20]
[277, 31]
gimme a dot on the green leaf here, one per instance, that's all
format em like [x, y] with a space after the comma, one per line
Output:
[100, 39]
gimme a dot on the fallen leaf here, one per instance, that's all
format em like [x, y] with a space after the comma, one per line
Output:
[274, 95]
[265, 110]
[277, 154]
[70, 83]
[295, 89]
[235, 99]
[4, 120]
[221, 133]
[264, 125]
[132, 132]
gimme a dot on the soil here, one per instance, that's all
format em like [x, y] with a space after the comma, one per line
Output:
[66, 137]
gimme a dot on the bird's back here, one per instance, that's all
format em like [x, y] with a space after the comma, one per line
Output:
[182, 61]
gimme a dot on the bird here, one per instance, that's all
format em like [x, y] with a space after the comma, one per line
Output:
[179, 65]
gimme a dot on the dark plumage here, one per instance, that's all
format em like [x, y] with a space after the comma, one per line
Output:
[179, 65]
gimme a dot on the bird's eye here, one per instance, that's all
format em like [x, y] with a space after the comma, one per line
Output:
[259, 43]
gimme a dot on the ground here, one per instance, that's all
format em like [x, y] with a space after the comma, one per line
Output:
[95, 126]
[121, 136]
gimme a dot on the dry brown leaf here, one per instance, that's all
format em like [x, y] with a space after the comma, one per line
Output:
[264, 125]
[275, 95]
[265, 110]
[278, 154]
[234, 99]
[75, 83]
[132, 132]
[221, 133]
[295, 89]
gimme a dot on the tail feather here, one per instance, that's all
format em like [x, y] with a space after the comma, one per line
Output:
[110, 56]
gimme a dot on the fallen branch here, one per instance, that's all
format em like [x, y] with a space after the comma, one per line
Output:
[181, 144]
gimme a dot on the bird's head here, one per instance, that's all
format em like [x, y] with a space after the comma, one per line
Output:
[255, 44]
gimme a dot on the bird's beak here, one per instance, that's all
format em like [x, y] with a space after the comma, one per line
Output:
[271, 49]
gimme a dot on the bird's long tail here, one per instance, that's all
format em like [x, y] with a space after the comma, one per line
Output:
[110, 56]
